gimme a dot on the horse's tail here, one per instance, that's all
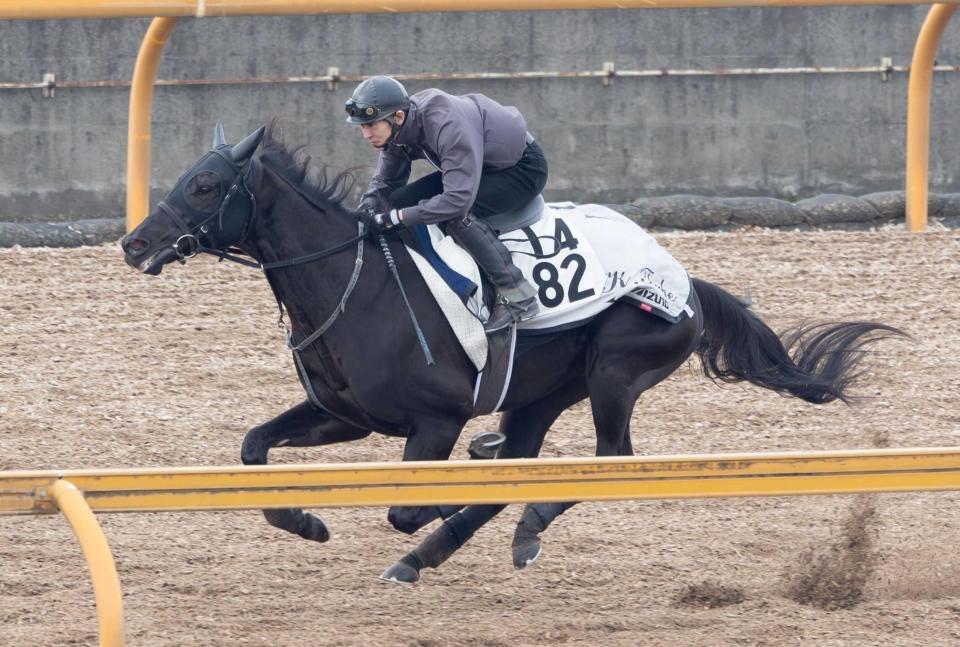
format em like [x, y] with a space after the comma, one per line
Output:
[815, 363]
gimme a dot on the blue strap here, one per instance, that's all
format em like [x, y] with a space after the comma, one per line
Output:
[461, 285]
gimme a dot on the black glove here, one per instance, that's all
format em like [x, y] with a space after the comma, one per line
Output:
[380, 223]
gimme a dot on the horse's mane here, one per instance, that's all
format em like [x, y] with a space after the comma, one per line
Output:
[297, 167]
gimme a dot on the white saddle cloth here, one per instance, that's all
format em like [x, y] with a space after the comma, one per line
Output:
[580, 258]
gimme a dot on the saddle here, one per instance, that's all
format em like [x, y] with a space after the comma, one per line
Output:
[525, 216]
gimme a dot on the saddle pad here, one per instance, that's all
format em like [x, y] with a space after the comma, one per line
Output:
[580, 258]
[583, 258]
[465, 321]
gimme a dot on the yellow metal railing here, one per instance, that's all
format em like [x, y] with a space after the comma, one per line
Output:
[918, 101]
[139, 126]
[78, 493]
[93, 543]
[167, 12]
[42, 9]
[502, 481]
[918, 113]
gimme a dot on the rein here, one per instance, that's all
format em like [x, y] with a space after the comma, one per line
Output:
[403, 293]
[341, 307]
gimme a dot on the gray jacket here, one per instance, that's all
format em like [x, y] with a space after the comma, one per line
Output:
[461, 136]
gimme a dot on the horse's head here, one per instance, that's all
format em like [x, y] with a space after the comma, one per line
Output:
[211, 207]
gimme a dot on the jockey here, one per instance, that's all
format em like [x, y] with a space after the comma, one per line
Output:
[486, 161]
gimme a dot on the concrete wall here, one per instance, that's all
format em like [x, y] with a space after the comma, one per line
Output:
[783, 136]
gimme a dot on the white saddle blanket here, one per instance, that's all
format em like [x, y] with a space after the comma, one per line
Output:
[580, 258]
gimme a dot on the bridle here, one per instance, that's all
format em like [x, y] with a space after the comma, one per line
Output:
[239, 199]
[190, 243]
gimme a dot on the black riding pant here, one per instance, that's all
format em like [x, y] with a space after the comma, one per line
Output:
[499, 191]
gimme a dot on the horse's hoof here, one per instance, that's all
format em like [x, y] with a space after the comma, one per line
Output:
[314, 528]
[302, 524]
[525, 555]
[401, 573]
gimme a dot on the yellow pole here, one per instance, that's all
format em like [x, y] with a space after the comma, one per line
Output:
[106, 583]
[918, 113]
[138, 130]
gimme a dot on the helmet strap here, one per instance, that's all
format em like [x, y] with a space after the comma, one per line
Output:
[394, 128]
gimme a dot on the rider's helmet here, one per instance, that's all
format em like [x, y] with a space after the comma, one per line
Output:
[375, 99]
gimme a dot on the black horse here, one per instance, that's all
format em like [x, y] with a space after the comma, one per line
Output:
[361, 359]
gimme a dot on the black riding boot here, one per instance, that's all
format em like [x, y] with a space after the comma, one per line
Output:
[516, 299]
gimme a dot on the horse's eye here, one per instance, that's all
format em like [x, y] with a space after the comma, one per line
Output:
[202, 191]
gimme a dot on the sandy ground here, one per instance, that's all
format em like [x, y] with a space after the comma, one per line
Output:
[102, 367]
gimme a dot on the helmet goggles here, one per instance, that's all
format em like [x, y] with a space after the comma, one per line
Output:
[363, 112]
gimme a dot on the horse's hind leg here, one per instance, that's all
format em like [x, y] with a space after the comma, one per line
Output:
[525, 429]
[302, 426]
[624, 362]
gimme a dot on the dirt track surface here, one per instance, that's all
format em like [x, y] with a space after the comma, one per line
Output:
[102, 367]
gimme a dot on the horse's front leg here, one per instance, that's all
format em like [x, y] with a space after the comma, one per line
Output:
[429, 440]
[302, 426]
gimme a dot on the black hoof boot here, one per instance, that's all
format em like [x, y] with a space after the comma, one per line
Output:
[534, 520]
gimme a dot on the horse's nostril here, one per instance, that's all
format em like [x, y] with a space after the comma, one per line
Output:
[135, 245]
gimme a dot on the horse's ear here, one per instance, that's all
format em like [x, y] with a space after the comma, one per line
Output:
[242, 151]
[218, 138]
